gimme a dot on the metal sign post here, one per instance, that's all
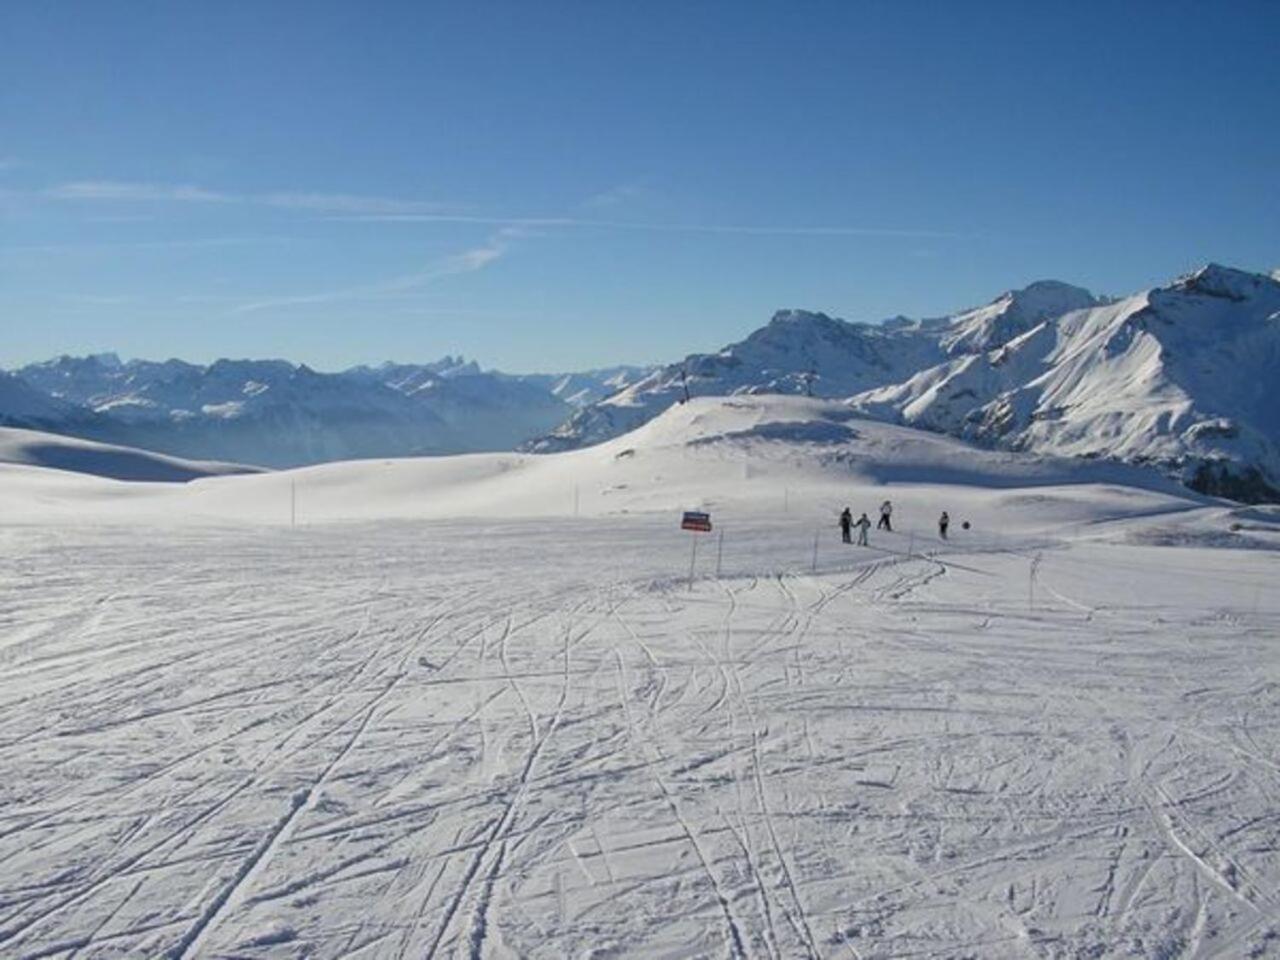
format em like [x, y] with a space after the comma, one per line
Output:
[695, 521]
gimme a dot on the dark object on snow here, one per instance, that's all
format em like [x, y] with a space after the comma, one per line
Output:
[965, 525]
[944, 521]
[1246, 485]
[696, 520]
[846, 525]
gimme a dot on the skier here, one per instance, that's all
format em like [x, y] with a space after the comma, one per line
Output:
[846, 524]
[886, 510]
[863, 525]
[944, 521]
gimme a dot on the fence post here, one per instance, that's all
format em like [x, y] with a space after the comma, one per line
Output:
[719, 551]
[693, 559]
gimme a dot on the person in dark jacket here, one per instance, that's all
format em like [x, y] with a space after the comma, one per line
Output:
[944, 521]
[846, 525]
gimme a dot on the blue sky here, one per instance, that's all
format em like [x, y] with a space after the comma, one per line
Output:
[561, 185]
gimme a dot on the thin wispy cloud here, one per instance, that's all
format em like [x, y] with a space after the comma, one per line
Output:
[119, 190]
[345, 203]
[125, 245]
[375, 209]
[128, 191]
[833, 230]
[98, 300]
[466, 261]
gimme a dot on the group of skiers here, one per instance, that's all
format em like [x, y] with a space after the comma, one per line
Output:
[863, 524]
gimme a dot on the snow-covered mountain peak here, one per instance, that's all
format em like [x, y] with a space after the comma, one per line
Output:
[801, 318]
[258, 370]
[1013, 313]
[110, 360]
[1178, 376]
[458, 366]
[1215, 280]
[808, 352]
[789, 330]
[898, 322]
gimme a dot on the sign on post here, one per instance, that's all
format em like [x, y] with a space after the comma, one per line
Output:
[696, 521]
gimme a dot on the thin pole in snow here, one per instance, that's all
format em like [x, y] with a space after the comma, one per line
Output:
[911, 545]
[693, 559]
[816, 534]
[1031, 583]
[719, 551]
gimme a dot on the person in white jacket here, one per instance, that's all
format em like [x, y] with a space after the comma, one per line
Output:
[886, 514]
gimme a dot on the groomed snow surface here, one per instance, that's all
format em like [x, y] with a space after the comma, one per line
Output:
[444, 716]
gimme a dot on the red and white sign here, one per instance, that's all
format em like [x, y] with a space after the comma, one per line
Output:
[696, 521]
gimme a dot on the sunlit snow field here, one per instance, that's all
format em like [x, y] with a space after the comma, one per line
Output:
[1056, 734]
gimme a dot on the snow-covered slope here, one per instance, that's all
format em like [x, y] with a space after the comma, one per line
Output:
[550, 723]
[801, 352]
[1183, 376]
[736, 452]
[35, 449]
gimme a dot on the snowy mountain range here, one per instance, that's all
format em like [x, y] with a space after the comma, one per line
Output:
[275, 413]
[1181, 377]
[803, 352]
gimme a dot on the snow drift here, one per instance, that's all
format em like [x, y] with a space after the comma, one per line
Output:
[35, 449]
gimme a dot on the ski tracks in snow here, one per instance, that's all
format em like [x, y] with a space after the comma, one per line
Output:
[409, 743]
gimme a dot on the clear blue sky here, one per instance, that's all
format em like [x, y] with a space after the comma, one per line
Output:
[549, 185]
